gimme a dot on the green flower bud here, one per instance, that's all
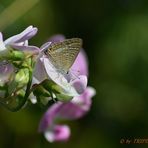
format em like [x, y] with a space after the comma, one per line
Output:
[56, 89]
[22, 77]
[39, 90]
[16, 55]
[63, 97]
[12, 55]
[51, 86]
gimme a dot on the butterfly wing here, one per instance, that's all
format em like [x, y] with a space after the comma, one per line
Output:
[63, 54]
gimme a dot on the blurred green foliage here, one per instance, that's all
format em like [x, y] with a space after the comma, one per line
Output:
[115, 34]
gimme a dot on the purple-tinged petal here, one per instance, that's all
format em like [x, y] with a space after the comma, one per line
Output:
[80, 84]
[6, 71]
[70, 111]
[81, 64]
[28, 33]
[28, 49]
[35, 80]
[78, 107]
[25, 43]
[57, 38]
[58, 133]
[84, 100]
[45, 46]
[39, 72]
[48, 118]
[57, 77]
[52, 72]
[75, 109]
[73, 88]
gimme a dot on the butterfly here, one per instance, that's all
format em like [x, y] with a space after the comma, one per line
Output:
[63, 54]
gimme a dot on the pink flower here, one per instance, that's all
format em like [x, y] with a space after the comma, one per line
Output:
[58, 133]
[74, 109]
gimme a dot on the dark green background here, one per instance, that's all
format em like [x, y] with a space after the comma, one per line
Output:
[115, 36]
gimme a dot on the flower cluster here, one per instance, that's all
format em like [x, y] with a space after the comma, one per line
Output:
[16, 66]
[27, 74]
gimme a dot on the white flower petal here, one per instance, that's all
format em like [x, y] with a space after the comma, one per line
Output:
[45, 46]
[23, 36]
[2, 45]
